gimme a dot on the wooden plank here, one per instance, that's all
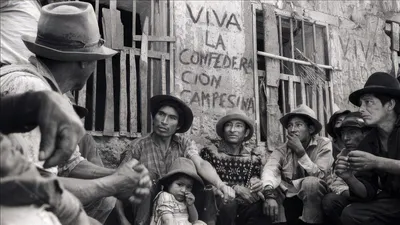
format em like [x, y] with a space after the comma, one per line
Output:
[132, 93]
[151, 54]
[314, 99]
[303, 91]
[163, 76]
[143, 68]
[255, 79]
[133, 25]
[109, 104]
[280, 42]
[283, 93]
[292, 46]
[117, 29]
[272, 76]
[291, 94]
[271, 46]
[321, 109]
[395, 37]
[160, 27]
[327, 107]
[171, 48]
[155, 38]
[111, 23]
[123, 99]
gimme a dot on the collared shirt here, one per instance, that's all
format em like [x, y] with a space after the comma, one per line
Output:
[233, 169]
[20, 82]
[283, 168]
[375, 180]
[156, 159]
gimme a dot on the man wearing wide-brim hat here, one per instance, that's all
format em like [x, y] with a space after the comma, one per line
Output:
[352, 131]
[334, 122]
[294, 175]
[66, 47]
[239, 167]
[163, 145]
[377, 160]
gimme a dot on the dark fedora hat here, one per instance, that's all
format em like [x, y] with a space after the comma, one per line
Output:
[330, 126]
[305, 111]
[378, 83]
[235, 114]
[68, 31]
[185, 113]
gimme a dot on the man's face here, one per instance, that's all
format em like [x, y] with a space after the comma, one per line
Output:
[351, 136]
[339, 120]
[235, 131]
[165, 122]
[86, 69]
[372, 110]
[298, 127]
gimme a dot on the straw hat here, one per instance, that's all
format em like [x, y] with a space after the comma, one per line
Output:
[235, 114]
[302, 110]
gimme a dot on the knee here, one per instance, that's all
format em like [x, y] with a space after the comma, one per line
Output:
[312, 186]
[329, 203]
[348, 216]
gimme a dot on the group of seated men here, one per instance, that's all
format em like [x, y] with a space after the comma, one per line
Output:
[308, 180]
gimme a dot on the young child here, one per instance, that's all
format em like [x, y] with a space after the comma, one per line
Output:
[174, 205]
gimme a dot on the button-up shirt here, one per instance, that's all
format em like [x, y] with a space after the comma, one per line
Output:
[156, 159]
[376, 180]
[284, 169]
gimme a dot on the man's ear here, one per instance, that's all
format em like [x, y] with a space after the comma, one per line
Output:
[83, 64]
[391, 104]
[247, 132]
[311, 128]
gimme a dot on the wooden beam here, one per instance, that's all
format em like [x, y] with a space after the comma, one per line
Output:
[143, 68]
[155, 38]
[132, 93]
[163, 76]
[150, 53]
[255, 78]
[123, 99]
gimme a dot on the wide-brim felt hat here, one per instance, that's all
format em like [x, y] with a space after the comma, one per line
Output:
[68, 31]
[186, 115]
[302, 111]
[182, 166]
[235, 114]
[378, 83]
[330, 126]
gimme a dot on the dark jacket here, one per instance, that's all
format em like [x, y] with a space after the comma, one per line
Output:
[389, 184]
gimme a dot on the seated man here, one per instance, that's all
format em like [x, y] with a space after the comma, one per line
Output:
[352, 131]
[239, 168]
[334, 122]
[377, 162]
[160, 148]
[294, 173]
[66, 47]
